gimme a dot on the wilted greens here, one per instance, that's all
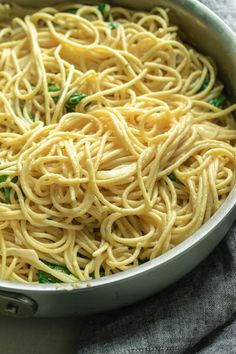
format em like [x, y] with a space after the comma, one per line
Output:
[73, 100]
[45, 278]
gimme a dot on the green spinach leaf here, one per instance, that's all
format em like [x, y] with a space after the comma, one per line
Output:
[73, 10]
[45, 278]
[32, 118]
[174, 178]
[7, 190]
[204, 85]
[73, 100]
[102, 274]
[218, 101]
[112, 25]
[103, 8]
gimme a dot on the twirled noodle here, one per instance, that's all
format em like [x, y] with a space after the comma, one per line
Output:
[136, 164]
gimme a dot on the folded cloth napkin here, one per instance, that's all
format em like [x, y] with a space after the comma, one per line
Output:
[196, 315]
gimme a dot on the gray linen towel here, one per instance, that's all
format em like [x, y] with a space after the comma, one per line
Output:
[196, 315]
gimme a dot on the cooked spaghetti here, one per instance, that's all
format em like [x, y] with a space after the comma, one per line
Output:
[116, 142]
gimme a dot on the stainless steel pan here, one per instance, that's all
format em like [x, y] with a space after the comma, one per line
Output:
[211, 36]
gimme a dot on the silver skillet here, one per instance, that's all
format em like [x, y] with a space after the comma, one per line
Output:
[211, 36]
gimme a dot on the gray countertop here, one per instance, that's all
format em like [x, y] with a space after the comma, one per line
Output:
[140, 329]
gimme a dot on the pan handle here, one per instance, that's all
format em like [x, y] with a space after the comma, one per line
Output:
[16, 305]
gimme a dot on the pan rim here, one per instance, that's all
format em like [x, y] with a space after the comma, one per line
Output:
[225, 33]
